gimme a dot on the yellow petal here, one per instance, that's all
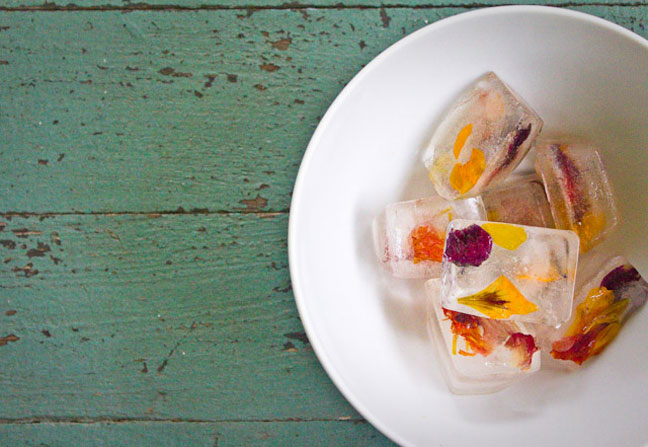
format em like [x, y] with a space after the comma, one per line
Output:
[461, 140]
[463, 177]
[499, 300]
[605, 337]
[597, 308]
[506, 236]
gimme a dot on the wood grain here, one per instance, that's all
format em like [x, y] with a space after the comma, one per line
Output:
[253, 5]
[135, 316]
[200, 110]
[221, 434]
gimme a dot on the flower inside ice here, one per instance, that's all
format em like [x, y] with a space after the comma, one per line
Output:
[499, 300]
[469, 246]
[427, 244]
[483, 335]
[597, 321]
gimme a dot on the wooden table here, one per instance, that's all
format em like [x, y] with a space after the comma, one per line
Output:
[148, 153]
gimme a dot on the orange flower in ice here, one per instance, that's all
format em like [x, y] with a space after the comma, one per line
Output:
[461, 140]
[464, 177]
[427, 244]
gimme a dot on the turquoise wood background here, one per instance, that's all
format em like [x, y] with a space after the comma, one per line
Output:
[147, 157]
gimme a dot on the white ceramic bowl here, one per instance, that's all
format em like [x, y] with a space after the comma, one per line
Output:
[584, 76]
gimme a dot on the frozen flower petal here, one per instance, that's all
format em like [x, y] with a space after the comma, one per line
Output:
[596, 322]
[620, 277]
[506, 236]
[499, 300]
[464, 176]
[470, 246]
[427, 244]
[523, 347]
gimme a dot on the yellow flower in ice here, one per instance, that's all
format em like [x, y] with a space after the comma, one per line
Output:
[597, 320]
[499, 300]
[506, 236]
[598, 308]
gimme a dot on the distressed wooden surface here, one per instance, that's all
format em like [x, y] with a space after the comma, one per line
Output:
[147, 160]
[253, 5]
[171, 434]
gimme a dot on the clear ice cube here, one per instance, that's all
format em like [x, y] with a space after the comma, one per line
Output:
[482, 138]
[607, 294]
[520, 200]
[579, 192]
[409, 236]
[478, 355]
[506, 271]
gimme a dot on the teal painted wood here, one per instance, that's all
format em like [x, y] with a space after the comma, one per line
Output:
[256, 4]
[223, 434]
[131, 316]
[182, 109]
[193, 109]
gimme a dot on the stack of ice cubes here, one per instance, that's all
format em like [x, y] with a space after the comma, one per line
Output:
[511, 280]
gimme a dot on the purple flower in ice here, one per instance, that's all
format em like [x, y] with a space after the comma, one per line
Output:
[620, 276]
[470, 246]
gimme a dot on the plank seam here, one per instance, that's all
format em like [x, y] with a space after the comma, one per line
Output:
[108, 420]
[53, 7]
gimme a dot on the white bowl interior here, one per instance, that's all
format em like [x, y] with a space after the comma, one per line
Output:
[585, 77]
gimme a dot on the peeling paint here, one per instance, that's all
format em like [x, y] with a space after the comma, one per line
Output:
[39, 251]
[11, 338]
[6, 243]
[269, 67]
[255, 205]
[28, 270]
[281, 44]
[384, 18]
[24, 233]
[168, 71]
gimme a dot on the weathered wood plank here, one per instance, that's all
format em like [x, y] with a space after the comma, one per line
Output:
[135, 316]
[206, 109]
[223, 434]
[262, 4]
[209, 109]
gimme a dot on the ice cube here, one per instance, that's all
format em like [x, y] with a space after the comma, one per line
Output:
[482, 138]
[578, 190]
[521, 200]
[507, 271]
[409, 236]
[605, 298]
[478, 355]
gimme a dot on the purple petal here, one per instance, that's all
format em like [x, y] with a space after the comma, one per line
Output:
[470, 246]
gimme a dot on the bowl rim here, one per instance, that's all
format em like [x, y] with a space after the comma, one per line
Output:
[293, 261]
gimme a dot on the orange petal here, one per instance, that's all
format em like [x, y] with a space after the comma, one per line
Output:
[463, 177]
[461, 140]
[588, 228]
[427, 244]
[499, 300]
